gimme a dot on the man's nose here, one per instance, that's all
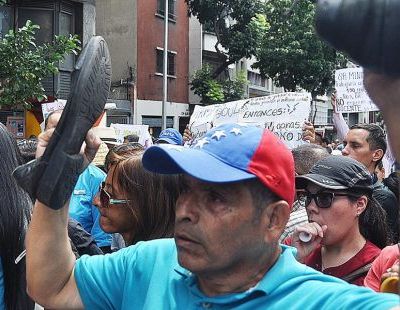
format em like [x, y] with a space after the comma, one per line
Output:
[345, 151]
[186, 210]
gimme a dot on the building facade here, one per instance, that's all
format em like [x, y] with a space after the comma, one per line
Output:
[134, 31]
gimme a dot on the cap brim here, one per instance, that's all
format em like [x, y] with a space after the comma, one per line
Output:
[303, 180]
[174, 159]
[170, 141]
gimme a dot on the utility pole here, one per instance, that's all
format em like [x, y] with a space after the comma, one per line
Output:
[165, 69]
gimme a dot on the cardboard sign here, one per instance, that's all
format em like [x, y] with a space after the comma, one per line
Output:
[142, 131]
[202, 120]
[283, 114]
[351, 96]
[49, 107]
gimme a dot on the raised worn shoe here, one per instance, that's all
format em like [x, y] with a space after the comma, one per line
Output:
[51, 178]
[366, 30]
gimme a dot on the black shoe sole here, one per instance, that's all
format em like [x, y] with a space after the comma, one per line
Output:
[90, 86]
[52, 178]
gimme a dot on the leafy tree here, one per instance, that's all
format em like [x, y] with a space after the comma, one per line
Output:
[292, 54]
[235, 89]
[24, 64]
[212, 91]
[237, 24]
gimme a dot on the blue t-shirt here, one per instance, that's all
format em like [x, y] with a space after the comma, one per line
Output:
[81, 207]
[148, 276]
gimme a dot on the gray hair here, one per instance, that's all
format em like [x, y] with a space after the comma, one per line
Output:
[306, 156]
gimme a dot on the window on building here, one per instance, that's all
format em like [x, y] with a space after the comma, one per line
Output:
[6, 20]
[171, 8]
[66, 28]
[42, 17]
[256, 79]
[160, 62]
[55, 17]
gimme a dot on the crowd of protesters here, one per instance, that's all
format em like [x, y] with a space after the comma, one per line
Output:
[351, 230]
[233, 220]
[334, 206]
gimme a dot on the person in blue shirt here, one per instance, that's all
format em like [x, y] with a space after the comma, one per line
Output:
[83, 210]
[238, 188]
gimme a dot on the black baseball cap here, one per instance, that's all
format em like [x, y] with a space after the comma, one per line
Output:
[338, 172]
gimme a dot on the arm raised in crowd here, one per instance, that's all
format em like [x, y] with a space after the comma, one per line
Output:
[338, 121]
[50, 260]
[385, 93]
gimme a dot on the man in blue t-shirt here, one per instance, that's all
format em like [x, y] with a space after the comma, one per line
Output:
[237, 191]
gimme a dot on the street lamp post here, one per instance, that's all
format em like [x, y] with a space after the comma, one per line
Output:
[165, 69]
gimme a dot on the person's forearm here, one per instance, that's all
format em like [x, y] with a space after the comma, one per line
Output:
[384, 92]
[392, 121]
[341, 126]
[49, 258]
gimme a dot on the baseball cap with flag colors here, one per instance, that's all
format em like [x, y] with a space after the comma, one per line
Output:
[230, 153]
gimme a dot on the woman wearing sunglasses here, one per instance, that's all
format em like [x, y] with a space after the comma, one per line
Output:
[133, 202]
[347, 228]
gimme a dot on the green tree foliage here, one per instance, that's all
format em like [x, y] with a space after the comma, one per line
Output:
[292, 54]
[212, 91]
[24, 64]
[237, 24]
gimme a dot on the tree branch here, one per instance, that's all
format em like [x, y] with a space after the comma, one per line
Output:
[221, 68]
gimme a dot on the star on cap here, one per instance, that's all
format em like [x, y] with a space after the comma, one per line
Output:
[218, 135]
[201, 143]
[236, 131]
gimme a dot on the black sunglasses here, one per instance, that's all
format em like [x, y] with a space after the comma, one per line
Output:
[323, 200]
[106, 200]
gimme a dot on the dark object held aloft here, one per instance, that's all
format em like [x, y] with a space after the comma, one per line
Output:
[52, 178]
[367, 30]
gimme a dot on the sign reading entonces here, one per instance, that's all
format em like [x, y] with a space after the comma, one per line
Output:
[283, 114]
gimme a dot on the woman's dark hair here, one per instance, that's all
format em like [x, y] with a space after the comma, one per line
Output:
[373, 223]
[153, 195]
[15, 213]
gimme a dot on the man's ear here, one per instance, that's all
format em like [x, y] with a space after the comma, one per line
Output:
[377, 155]
[275, 217]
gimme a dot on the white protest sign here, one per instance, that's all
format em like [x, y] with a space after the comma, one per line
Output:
[202, 120]
[49, 107]
[351, 95]
[142, 131]
[284, 114]
[228, 112]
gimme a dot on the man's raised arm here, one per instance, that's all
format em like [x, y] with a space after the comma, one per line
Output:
[50, 260]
